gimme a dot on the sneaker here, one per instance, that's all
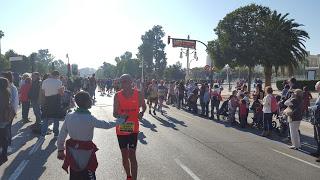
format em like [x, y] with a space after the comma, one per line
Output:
[9, 150]
[129, 178]
[293, 147]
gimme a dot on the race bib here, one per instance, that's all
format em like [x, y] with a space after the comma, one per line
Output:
[127, 127]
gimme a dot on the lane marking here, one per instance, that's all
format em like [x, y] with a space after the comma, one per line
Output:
[19, 170]
[36, 146]
[187, 170]
[285, 154]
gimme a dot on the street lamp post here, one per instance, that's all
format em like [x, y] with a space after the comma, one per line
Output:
[227, 68]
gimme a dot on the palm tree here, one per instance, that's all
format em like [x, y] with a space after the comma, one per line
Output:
[283, 43]
[1, 35]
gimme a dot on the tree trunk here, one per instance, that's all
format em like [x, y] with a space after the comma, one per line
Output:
[268, 74]
[290, 71]
[250, 78]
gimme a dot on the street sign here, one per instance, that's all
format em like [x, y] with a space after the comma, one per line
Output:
[17, 58]
[185, 43]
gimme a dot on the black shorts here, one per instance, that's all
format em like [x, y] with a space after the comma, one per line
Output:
[128, 141]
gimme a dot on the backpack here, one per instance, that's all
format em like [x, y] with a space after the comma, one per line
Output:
[274, 105]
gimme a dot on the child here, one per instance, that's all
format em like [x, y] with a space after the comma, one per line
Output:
[80, 150]
[257, 111]
[215, 100]
[306, 100]
[232, 107]
[243, 112]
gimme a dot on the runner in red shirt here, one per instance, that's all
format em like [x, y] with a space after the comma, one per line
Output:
[127, 103]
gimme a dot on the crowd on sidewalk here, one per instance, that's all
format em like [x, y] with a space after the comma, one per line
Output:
[51, 96]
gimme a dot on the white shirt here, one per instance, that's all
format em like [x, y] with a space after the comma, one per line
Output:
[81, 126]
[51, 86]
[267, 104]
[14, 97]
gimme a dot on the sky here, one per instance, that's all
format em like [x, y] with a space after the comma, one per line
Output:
[97, 31]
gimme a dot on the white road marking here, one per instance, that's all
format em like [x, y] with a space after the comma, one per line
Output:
[19, 170]
[285, 154]
[186, 169]
[36, 146]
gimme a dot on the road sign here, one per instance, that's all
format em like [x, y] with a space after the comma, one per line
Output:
[185, 43]
[17, 58]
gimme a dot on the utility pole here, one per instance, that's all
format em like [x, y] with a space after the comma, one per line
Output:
[188, 64]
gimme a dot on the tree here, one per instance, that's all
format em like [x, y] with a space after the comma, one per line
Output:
[174, 72]
[1, 36]
[127, 65]
[18, 66]
[44, 63]
[283, 44]
[238, 42]
[151, 52]
[4, 63]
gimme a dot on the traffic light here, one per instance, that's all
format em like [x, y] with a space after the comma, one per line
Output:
[169, 39]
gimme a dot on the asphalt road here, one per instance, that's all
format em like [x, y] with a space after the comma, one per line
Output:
[176, 145]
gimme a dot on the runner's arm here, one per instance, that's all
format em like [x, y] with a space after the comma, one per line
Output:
[115, 108]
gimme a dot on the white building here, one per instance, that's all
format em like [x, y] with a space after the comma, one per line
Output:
[312, 70]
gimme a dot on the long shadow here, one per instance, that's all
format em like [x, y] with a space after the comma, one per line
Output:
[148, 124]
[166, 123]
[142, 138]
[175, 121]
[35, 164]
[21, 138]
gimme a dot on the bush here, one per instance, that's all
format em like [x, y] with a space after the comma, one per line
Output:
[300, 83]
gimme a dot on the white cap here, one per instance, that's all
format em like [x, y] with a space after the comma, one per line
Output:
[317, 86]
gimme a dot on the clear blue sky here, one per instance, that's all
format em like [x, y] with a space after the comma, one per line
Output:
[93, 31]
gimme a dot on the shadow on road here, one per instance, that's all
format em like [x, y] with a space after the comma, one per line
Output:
[142, 138]
[174, 120]
[145, 123]
[165, 123]
[37, 164]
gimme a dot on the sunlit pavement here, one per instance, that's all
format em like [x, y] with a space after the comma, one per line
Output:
[176, 145]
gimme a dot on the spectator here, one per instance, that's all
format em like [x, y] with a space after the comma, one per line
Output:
[259, 93]
[306, 100]
[52, 89]
[24, 99]
[34, 97]
[267, 113]
[14, 102]
[295, 104]
[285, 91]
[4, 119]
[215, 100]
[92, 86]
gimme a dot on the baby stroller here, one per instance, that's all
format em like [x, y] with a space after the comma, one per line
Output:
[223, 110]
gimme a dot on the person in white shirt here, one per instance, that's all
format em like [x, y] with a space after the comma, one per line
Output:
[267, 113]
[51, 110]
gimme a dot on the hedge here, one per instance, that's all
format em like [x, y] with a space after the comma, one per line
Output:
[300, 83]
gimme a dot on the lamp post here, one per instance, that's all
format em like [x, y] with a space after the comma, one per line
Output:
[227, 68]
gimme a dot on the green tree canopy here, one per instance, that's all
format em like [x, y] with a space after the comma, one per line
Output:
[174, 72]
[151, 51]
